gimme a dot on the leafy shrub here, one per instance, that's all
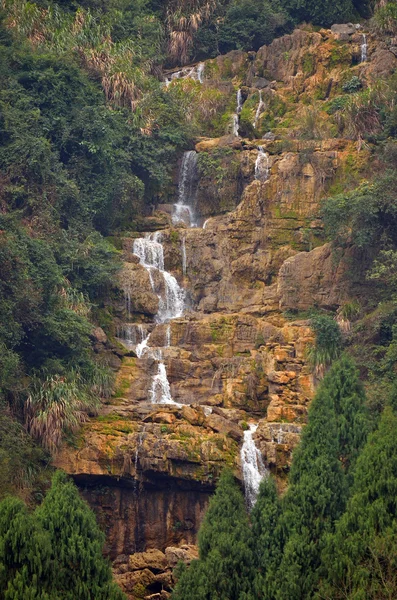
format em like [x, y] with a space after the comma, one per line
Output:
[57, 405]
[353, 85]
[328, 342]
[385, 19]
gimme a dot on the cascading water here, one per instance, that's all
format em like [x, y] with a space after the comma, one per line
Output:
[150, 252]
[200, 72]
[252, 466]
[160, 392]
[364, 49]
[187, 187]
[262, 165]
[196, 73]
[171, 296]
[260, 108]
[142, 346]
[132, 335]
[236, 116]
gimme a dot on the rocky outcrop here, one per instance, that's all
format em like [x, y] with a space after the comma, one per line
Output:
[150, 574]
[313, 278]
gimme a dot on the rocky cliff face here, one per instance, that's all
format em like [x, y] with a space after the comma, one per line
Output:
[237, 354]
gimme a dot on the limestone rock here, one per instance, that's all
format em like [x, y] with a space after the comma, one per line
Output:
[135, 282]
[344, 31]
[185, 553]
[151, 559]
[99, 335]
[312, 278]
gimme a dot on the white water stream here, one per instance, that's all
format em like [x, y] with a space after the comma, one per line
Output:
[187, 188]
[364, 49]
[262, 165]
[150, 252]
[196, 73]
[236, 116]
[252, 466]
[260, 108]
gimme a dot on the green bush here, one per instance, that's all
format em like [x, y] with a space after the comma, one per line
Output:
[328, 342]
[353, 85]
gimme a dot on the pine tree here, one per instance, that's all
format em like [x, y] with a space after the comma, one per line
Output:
[266, 538]
[24, 554]
[314, 500]
[224, 570]
[79, 571]
[361, 556]
[348, 396]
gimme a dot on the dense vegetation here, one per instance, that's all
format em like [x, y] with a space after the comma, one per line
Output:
[332, 534]
[54, 553]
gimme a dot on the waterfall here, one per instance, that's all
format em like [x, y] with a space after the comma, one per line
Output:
[364, 48]
[160, 392]
[262, 165]
[200, 72]
[252, 466]
[239, 101]
[131, 335]
[260, 108]
[205, 223]
[168, 336]
[187, 187]
[142, 346]
[236, 118]
[150, 252]
[196, 73]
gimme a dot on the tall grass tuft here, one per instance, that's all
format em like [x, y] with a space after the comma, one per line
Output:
[60, 404]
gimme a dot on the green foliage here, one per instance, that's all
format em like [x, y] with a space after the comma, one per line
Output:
[367, 216]
[24, 554]
[225, 567]
[266, 539]
[249, 24]
[58, 405]
[361, 555]
[328, 343]
[385, 18]
[314, 500]
[347, 394]
[353, 85]
[214, 165]
[21, 460]
[320, 13]
[54, 553]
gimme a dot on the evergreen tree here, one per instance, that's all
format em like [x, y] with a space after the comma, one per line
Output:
[348, 396]
[24, 554]
[266, 538]
[361, 556]
[314, 500]
[224, 570]
[79, 571]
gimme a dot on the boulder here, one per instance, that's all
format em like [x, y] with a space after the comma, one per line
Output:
[153, 559]
[344, 31]
[185, 553]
